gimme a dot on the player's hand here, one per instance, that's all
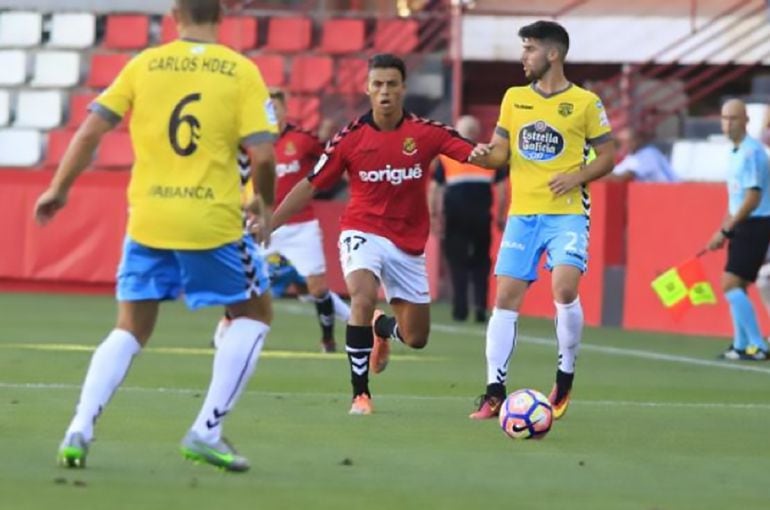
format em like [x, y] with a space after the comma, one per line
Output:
[717, 241]
[482, 150]
[563, 183]
[48, 204]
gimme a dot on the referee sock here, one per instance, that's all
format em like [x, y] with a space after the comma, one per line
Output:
[745, 325]
[109, 366]
[569, 330]
[234, 362]
[501, 342]
[341, 308]
[358, 345]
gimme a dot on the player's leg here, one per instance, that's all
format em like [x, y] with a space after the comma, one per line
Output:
[327, 307]
[361, 258]
[763, 285]
[145, 276]
[567, 250]
[516, 268]
[405, 280]
[232, 275]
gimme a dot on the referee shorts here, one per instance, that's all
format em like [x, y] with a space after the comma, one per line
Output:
[747, 249]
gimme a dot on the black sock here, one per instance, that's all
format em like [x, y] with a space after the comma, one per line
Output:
[358, 344]
[496, 390]
[563, 384]
[324, 307]
[385, 327]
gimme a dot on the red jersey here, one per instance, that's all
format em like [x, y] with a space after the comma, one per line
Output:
[388, 173]
[296, 151]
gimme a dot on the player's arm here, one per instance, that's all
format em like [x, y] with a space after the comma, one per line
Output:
[493, 154]
[502, 189]
[600, 166]
[299, 196]
[262, 157]
[76, 159]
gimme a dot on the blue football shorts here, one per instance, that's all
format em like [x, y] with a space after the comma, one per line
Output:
[225, 275]
[563, 237]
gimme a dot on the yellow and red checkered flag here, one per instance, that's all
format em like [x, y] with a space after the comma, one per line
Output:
[684, 286]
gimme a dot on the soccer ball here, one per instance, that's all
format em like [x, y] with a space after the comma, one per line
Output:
[526, 414]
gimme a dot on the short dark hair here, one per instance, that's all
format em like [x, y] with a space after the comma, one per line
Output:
[200, 11]
[277, 94]
[549, 31]
[388, 61]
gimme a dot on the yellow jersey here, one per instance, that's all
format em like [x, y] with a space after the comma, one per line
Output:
[547, 136]
[192, 105]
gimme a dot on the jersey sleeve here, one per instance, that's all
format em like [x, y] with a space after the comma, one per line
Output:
[257, 120]
[598, 128]
[750, 177]
[503, 127]
[113, 104]
[454, 145]
[330, 165]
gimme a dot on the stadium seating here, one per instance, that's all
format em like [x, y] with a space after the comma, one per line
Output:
[14, 66]
[351, 75]
[272, 68]
[78, 108]
[58, 140]
[75, 31]
[60, 69]
[20, 29]
[343, 36]
[5, 107]
[127, 32]
[310, 73]
[239, 33]
[167, 29]
[38, 109]
[105, 67]
[291, 34]
[115, 151]
[397, 36]
[20, 147]
[304, 111]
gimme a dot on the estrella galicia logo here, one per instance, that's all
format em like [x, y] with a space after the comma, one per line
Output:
[540, 142]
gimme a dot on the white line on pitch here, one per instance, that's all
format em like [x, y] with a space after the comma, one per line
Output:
[272, 394]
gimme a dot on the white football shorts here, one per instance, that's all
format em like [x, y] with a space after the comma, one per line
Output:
[302, 245]
[403, 276]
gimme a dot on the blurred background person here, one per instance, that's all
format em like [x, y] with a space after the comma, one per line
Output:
[460, 197]
[643, 161]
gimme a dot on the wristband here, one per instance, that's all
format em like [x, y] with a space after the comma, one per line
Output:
[729, 234]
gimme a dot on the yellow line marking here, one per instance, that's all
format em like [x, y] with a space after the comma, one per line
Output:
[203, 351]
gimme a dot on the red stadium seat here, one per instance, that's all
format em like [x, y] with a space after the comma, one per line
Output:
[304, 111]
[272, 68]
[79, 108]
[289, 34]
[351, 75]
[168, 30]
[104, 68]
[127, 32]
[58, 140]
[310, 74]
[115, 151]
[397, 36]
[239, 33]
[343, 36]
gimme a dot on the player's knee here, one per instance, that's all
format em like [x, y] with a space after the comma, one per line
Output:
[564, 295]
[416, 338]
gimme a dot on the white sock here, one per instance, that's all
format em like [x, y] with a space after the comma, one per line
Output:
[109, 366]
[234, 362]
[501, 342]
[569, 330]
[341, 308]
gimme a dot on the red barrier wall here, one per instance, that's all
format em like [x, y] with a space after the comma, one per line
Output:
[667, 224]
[80, 249]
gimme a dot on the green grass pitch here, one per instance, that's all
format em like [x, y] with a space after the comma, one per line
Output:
[656, 422]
